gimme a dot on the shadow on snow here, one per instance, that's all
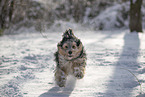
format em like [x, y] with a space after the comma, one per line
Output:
[122, 82]
[61, 92]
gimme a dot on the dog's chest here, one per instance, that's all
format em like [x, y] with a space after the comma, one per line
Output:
[66, 65]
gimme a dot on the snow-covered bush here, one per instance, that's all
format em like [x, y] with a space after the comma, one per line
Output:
[113, 17]
[76, 9]
[100, 15]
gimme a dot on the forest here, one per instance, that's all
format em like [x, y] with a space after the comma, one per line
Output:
[94, 14]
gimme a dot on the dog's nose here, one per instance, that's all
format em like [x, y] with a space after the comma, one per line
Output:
[70, 52]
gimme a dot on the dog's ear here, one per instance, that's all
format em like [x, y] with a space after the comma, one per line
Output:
[59, 44]
[78, 42]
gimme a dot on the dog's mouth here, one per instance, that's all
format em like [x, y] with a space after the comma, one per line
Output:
[70, 56]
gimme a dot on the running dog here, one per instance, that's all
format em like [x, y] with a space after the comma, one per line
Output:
[70, 58]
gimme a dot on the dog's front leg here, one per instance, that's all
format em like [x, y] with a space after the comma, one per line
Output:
[79, 71]
[60, 77]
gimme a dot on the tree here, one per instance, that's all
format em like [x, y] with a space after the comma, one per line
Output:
[135, 23]
[6, 11]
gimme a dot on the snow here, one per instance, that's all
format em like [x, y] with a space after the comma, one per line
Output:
[27, 65]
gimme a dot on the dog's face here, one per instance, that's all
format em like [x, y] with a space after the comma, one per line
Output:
[70, 47]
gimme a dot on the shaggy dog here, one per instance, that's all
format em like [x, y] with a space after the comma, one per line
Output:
[70, 58]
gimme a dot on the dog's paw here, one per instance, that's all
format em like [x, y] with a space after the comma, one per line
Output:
[78, 73]
[60, 78]
[62, 81]
[61, 84]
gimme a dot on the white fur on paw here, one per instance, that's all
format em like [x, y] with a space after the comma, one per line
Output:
[63, 73]
[63, 78]
[76, 70]
[62, 82]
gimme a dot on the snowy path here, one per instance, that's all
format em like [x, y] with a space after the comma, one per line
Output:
[27, 66]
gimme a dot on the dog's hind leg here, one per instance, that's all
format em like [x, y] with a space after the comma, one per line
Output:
[60, 77]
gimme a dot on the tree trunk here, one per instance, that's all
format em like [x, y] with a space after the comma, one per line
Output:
[6, 12]
[135, 23]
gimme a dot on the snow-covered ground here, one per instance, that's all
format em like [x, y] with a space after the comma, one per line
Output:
[27, 65]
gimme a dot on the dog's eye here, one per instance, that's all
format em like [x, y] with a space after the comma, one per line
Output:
[66, 47]
[73, 47]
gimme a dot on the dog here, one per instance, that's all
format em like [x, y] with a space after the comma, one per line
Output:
[70, 58]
